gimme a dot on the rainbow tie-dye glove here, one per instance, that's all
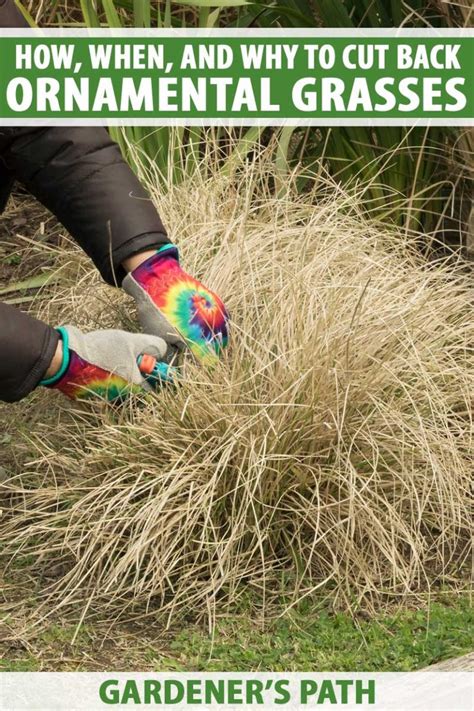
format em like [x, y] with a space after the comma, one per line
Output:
[176, 306]
[104, 364]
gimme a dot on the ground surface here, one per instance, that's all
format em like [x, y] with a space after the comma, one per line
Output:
[308, 638]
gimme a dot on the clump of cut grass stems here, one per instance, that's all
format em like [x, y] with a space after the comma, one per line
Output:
[330, 450]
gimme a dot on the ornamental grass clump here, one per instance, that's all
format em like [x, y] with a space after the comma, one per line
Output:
[330, 450]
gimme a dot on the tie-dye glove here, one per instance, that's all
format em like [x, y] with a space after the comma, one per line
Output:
[104, 364]
[176, 306]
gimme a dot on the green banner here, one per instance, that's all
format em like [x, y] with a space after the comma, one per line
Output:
[158, 78]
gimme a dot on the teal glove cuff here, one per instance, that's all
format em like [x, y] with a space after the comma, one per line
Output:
[64, 336]
[165, 247]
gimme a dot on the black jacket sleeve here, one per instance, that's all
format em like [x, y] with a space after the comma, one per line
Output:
[79, 174]
[27, 347]
[10, 16]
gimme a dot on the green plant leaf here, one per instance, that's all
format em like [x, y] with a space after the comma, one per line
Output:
[277, 12]
[90, 16]
[247, 143]
[213, 17]
[19, 300]
[282, 159]
[25, 14]
[35, 282]
[167, 20]
[333, 13]
[112, 15]
[142, 13]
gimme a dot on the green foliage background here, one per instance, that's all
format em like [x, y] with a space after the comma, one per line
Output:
[418, 177]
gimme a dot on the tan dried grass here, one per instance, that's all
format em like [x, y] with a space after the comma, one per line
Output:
[330, 450]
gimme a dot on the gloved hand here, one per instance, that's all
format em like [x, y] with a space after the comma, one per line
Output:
[176, 306]
[103, 364]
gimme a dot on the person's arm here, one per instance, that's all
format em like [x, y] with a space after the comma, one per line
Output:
[27, 350]
[79, 174]
[103, 364]
[10, 15]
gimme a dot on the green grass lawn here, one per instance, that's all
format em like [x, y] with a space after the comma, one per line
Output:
[308, 639]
